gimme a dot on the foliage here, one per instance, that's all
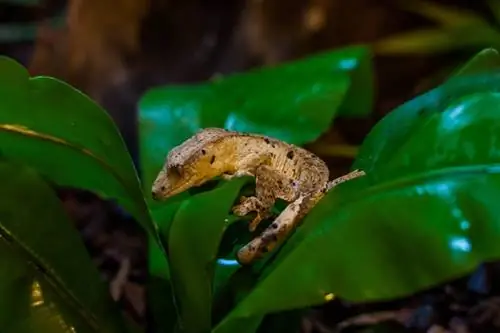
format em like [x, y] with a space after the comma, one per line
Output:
[46, 288]
[457, 30]
[428, 198]
[64, 152]
[295, 102]
[44, 125]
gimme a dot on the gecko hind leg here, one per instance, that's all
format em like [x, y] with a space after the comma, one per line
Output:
[278, 230]
[287, 221]
[270, 185]
[252, 204]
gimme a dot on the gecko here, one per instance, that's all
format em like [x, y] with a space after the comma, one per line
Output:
[281, 171]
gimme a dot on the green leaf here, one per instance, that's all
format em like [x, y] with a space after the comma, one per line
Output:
[243, 325]
[485, 61]
[295, 102]
[194, 238]
[385, 138]
[163, 310]
[432, 41]
[419, 41]
[48, 282]
[321, 86]
[54, 128]
[429, 200]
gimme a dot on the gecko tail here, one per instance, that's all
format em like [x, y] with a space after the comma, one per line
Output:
[342, 179]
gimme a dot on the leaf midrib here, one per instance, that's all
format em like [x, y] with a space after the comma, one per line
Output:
[25, 131]
[53, 279]
[421, 177]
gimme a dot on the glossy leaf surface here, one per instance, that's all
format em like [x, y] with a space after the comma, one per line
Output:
[426, 213]
[29, 303]
[385, 139]
[60, 132]
[483, 62]
[48, 283]
[194, 238]
[299, 97]
[295, 102]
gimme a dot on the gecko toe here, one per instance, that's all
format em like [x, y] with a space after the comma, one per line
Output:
[255, 223]
[240, 210]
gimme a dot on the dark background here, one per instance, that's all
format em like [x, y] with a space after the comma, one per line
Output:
[114, 50]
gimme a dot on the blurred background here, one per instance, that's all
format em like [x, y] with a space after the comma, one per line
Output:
[114, 50]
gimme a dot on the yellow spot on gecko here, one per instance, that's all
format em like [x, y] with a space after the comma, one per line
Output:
[329, 297]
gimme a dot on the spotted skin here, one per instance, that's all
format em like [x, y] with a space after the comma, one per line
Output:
[281, 170]
[270, 185]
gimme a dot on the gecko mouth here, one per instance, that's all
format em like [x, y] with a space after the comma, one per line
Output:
[192, 187]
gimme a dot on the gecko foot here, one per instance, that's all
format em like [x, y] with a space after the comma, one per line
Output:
[247, 205]
[282, 226]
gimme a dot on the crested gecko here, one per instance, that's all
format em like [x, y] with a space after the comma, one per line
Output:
[281, 170]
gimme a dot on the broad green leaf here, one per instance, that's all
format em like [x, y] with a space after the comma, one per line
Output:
[194, 238]
[265, 99]
[295, 102]
[385, 139]
[162, 309]
[48, 278]
[243, 325]
[161, 300]
[426, 215]
[54, 128]
[483, 62]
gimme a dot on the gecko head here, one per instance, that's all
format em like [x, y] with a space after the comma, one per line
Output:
[174, 179]
[191, 164]
[170, 181]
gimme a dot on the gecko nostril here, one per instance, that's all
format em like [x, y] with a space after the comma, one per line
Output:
[163, 188]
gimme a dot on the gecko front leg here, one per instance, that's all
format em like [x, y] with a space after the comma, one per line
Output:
[269, 186]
